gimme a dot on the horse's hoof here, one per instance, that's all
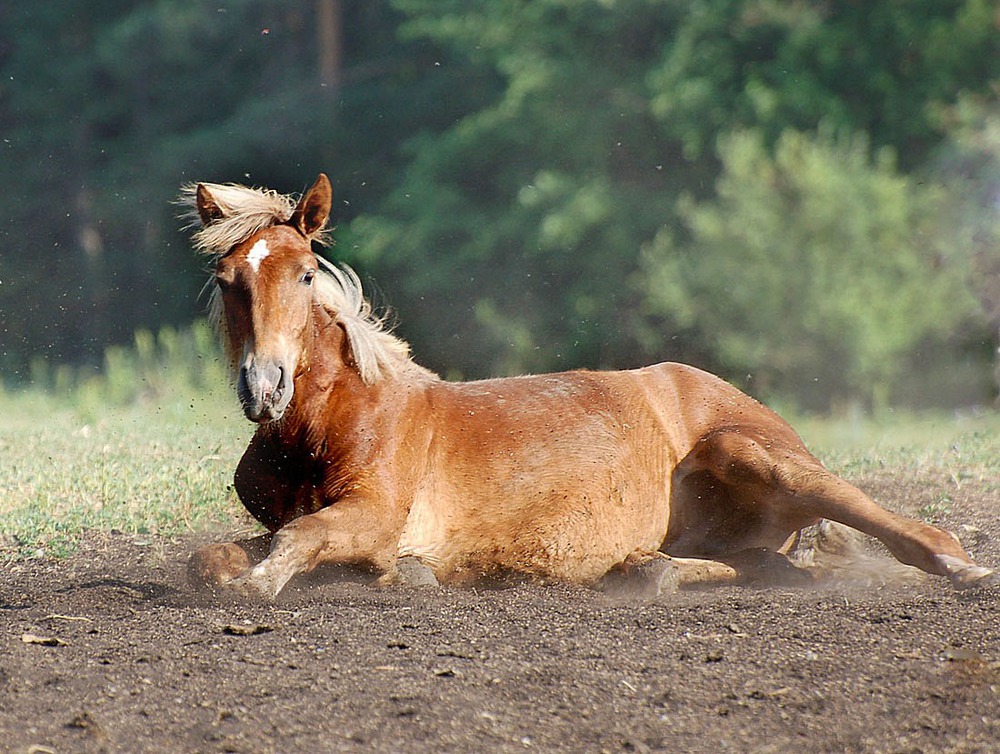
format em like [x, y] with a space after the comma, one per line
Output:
[217, 565]
[656, 577]
[253, 588]
[265, 580]
[976, 577]
[968, 575]
[645, 581]
[410, 571]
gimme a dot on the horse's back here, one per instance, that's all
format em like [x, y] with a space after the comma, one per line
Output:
[696, 404]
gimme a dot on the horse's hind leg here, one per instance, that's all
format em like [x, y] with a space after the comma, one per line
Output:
[910, 541]
[792, 487]
[645, 575]
[217, 564]
[648, 575]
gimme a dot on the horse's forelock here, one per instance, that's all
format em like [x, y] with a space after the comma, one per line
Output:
[244, 210]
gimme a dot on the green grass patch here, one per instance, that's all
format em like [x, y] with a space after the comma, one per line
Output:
[160, 468]
[962, 446]
[147, 444]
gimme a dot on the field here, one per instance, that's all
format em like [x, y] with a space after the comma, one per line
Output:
[105, 647]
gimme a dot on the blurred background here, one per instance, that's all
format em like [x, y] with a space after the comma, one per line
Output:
[801, 196]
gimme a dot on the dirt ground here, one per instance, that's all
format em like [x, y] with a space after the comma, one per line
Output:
[144, 663]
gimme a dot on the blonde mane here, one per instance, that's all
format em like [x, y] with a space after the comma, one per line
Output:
[245, 211]
[377, 353]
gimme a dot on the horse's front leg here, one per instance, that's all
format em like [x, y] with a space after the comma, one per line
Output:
[217, 564]
[351, 531]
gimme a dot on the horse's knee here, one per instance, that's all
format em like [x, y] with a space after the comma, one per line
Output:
[218, 564]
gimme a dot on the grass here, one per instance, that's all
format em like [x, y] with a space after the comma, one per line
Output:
[963, 446]
[149, 445]
[166, 468]
[152, 468]
[160, 469]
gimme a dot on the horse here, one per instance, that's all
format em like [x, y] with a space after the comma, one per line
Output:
[363, 457]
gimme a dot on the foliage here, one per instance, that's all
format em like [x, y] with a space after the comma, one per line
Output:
[532, 213]
[500, 165]
[155, 368]
[970, 161]
[107, 107]
[872, 67]
[812, 267]
[527, 212]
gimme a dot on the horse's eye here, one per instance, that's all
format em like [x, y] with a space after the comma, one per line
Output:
[307, 278]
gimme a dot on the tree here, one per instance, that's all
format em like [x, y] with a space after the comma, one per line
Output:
[878, 68]
[532, 210]
[510, 159]
[815, 270]
[969, 165]
[529, 211]
[107, 107]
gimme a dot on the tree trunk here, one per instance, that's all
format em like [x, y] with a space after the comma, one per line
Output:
[329, 30]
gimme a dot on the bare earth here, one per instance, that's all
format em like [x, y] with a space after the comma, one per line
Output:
[149, 665]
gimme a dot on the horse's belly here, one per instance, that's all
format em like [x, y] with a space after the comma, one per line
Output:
[561, 476]
[574, 531]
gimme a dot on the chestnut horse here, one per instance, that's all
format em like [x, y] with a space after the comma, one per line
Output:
[363, 457]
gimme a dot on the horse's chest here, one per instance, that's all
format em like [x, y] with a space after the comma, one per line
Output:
[298, 483]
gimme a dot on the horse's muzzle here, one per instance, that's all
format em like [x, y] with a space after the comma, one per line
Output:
[264, 389]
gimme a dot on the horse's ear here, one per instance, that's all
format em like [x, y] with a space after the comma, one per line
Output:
[208, 209]
[313, 211]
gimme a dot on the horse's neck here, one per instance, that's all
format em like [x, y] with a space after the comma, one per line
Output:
[332, 405]
[327, 389]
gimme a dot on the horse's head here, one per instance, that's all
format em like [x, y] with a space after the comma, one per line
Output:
[265, 287]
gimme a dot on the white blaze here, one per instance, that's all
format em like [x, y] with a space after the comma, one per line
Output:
[258, 254]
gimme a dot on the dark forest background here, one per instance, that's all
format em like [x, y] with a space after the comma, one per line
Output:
[801, 196]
